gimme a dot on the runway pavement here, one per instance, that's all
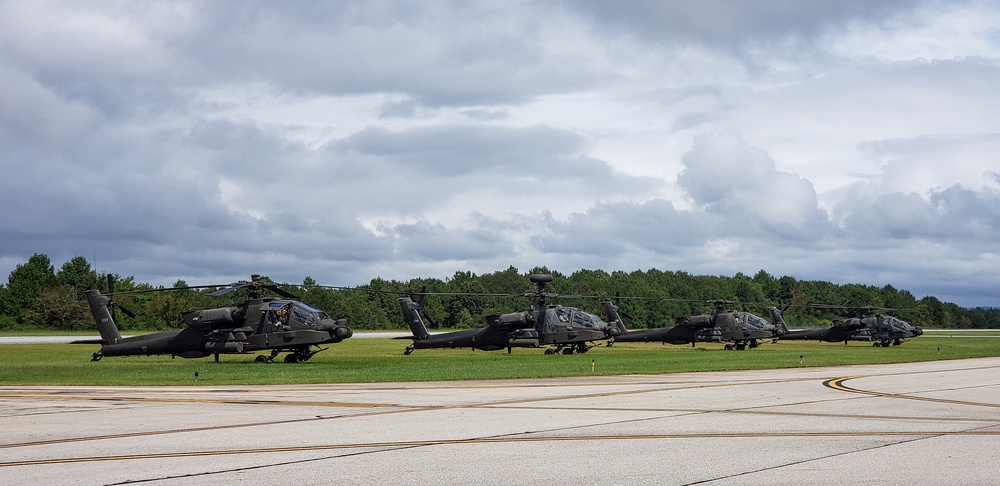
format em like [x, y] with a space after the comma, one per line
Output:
[917, 423]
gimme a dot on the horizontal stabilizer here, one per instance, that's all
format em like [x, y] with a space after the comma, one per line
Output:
[89, 341]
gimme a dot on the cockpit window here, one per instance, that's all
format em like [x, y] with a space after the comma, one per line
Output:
[752, 320]
[307, 315]
[314, 311]
[898, 323]
[585, 319]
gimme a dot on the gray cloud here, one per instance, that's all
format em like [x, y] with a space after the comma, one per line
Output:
[732, 24]
[726, 176]
[847, 141]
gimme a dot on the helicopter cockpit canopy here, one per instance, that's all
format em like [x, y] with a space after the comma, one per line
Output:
[571, 316]
[754, 321]
[897, 324]
[300, 313]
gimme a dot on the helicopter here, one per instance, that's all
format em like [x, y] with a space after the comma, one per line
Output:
[685, 331]
[566, 329]
[256, 324]
[885, 331]
[840, 330]
[738, 329]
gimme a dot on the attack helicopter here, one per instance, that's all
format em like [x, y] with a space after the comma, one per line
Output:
[885, 331]
[563, 329]
[738, 329]
[685, 331]
[256, 324]
[840, 330]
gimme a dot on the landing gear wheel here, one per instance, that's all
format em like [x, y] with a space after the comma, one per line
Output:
[729, 347]
[549, 351]
[260, 359]
[291, 358]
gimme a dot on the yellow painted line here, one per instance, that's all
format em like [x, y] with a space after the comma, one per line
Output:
[838, 384]
[759, 412]
[155, 432]
[224, 401]
[501, 440]
[388, 409]
[395, 409]
[105, 395]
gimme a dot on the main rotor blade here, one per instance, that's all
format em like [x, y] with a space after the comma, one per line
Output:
[125, 310]
[222, 291]
[282, 292]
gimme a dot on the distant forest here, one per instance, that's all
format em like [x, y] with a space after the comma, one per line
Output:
[38, 297]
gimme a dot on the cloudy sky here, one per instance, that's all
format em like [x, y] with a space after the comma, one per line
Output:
[849, 141]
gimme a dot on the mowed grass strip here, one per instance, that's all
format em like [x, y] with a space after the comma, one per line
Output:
[382, 360]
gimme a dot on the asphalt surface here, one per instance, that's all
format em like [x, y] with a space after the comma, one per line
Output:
[919, 423]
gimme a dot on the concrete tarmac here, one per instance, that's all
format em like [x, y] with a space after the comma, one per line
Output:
[918, 423]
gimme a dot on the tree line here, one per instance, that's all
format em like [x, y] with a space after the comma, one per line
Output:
[37, 296]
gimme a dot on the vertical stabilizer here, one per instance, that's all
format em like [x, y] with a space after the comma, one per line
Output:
[411, 312]
[105, 324]
[779, 321]
[614, 318]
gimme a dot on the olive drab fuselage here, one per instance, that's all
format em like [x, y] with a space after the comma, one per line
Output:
[883, 330]
[566, 328]
[262, 324]
[684, 331]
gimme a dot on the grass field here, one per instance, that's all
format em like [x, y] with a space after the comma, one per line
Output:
[382, 360]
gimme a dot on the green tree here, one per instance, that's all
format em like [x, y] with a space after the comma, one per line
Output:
[60, 307]
[20, 300]
[166, 310]
[77, 275]
[463, 309]
[768, 285]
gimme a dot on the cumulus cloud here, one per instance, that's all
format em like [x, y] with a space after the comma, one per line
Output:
[726, 176]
